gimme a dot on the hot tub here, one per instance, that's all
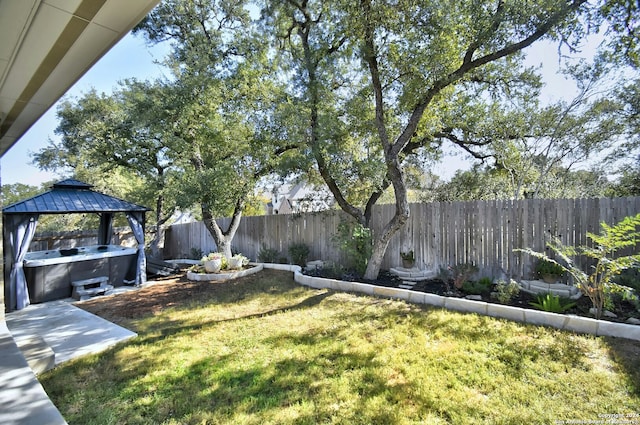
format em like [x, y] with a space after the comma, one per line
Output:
[50, 273]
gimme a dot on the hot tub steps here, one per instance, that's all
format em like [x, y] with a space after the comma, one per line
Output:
[86, 288]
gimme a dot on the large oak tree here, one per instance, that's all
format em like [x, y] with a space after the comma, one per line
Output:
[379, 80]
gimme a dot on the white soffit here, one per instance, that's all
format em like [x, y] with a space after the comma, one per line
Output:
[47, 45]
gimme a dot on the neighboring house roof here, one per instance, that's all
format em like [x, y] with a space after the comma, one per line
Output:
[71, 196]
[300, 197]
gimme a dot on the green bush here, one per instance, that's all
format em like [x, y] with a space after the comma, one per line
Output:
[505, 292]
[552, 303]
[598, 281]
[480, 287]
[629, 278]
[299, 253]
[546, 267]
[356, 243]
[460, 273]
[196, 254]
[268, 255]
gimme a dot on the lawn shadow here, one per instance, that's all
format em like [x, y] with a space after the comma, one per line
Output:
[626, 354]
[170, 327]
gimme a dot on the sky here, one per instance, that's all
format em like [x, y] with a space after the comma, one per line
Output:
[132, 58]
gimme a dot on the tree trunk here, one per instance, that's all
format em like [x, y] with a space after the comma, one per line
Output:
[154, 246]
[222, 238]
[161, 220]
[399, 219]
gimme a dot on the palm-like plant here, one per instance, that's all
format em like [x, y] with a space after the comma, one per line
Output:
[598, 280]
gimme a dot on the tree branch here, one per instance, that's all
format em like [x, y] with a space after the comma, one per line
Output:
[470, 65]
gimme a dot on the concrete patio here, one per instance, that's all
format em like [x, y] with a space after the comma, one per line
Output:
[38, 338]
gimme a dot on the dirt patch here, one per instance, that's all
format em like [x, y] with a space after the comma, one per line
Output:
[160, 294]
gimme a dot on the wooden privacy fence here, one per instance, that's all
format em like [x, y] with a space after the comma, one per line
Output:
[441, 234]
[55, 240]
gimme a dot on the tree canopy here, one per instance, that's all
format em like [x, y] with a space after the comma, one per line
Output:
[358, 95]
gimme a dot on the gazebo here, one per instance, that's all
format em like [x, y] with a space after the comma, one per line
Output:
[67, 196]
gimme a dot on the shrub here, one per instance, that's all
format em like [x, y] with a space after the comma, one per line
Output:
[268, 255]
[482, 286]
[596, 283]
[299, 253]
[460, 273]
[629, 278]
[552, 303]
[505, 292]
[356, 242]
[545, 267]
[196, 253]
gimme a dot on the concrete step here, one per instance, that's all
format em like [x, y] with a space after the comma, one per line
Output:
[414, 274]
[85, 294]
[37, 352]
[91, 281]
[539, 287]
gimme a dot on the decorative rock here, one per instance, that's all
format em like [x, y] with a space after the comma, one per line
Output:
[413, 274]
[315, 265]
[605, 313]
[536, 287]
[474, 297]
[633, 321]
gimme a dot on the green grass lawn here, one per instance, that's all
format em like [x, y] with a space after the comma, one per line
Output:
[264, 350]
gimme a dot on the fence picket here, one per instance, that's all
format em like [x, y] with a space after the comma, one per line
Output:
[440, 233]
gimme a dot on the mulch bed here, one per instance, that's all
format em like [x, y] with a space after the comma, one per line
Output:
[623, 309]
[177, 290]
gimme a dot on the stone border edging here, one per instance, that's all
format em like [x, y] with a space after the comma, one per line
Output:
[212, 277]
[565, 322]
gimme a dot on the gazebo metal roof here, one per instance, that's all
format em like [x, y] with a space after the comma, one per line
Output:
[71, 196]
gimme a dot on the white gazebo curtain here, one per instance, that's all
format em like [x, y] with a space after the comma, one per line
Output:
[21, 229]
[136, 221]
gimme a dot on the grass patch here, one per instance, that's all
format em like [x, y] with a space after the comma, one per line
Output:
[264, 350]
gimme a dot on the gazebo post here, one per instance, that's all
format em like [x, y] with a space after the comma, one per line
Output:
[105, 231]
[70, 196]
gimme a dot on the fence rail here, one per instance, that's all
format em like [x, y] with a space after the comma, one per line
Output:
[55, 240]
[443, 233]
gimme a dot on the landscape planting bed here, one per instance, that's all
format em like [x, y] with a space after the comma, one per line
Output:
[431, 292]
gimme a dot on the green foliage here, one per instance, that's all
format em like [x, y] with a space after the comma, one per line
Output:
[355, 242]
[607, 263]
[479, 287]
[12, 193]
[544, 267]
[268, 255]
[460, 273]
[552, 303]
[299, 253]
[505, 292]
[196, 253]
[408, 256]
[629, 278]
[629, 182]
